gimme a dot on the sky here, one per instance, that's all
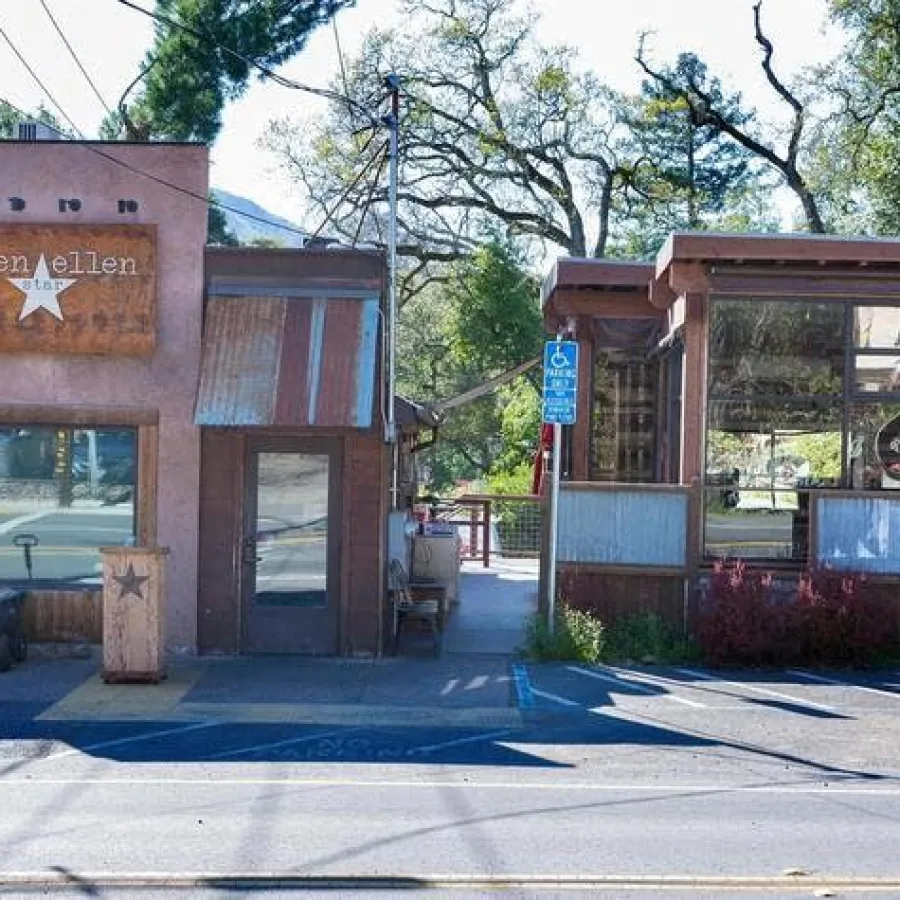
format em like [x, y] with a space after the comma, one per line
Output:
[110, 40]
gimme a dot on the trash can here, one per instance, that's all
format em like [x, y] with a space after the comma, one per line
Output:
[13, 646]
[134, 598]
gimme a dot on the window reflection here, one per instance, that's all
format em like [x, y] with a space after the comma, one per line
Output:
[66, 492]
[776, 348]
[764, 524]
[876, 327]
[877, 373]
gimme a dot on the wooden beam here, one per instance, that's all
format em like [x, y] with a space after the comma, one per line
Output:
[147, 484]
[581, 430]
[688, 278]
[610, 304]
[693, 387]
[52, 414]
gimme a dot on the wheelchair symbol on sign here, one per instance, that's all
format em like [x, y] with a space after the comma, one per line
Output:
[559, 360]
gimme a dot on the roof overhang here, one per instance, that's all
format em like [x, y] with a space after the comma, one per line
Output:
[689, 262]
[595, 287]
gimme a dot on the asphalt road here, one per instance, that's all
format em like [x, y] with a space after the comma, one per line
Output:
[620, 782]
[68, 542]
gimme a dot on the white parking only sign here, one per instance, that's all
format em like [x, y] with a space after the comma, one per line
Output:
[560, 382]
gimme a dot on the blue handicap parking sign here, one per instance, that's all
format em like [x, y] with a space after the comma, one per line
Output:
[560, 382]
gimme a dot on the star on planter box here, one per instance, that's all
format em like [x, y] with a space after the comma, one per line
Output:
[130, 582]
[41, 291]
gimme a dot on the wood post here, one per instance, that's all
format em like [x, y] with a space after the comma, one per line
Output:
[134, 597]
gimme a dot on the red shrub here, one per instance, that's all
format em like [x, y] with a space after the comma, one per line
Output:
[748, 617]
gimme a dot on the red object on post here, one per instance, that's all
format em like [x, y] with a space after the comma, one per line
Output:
[545, 446]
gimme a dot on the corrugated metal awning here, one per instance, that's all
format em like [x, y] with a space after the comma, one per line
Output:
[288, 361]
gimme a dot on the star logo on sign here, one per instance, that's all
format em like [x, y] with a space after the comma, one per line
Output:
[41, 291]
[130, 582]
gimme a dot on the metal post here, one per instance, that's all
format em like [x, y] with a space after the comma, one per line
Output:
[393, 123]
[486, 555]
[554, 528]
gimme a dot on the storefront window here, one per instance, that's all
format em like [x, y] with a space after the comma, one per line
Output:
[775, 423]
[623, 419]
[776, 348]
[64, 493]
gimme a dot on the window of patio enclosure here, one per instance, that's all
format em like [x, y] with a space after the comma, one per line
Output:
[779, 373]
[624, 417]
[64, 492]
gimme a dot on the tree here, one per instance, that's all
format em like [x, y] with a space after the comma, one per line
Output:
[206, 58]
[10, 118]
[484, 321]
[496, 132]
[858, 158]
[725, 116]
[687, 175]
[217, 230]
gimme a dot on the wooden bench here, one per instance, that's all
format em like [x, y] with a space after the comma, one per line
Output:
[421, 601]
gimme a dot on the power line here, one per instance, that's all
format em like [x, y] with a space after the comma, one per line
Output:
[208, 201]
[74, 56]
[40, 84]
[328, 94]
[377, 157]
[279, 79]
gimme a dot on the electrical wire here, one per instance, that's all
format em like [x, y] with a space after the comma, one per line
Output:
[378, 156]
[208, 201]
[286, 82]
[40, 84]
[326, 93]
[74, 56]
[368, 203]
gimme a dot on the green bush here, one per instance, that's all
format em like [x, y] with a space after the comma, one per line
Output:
[646, 638]
[577, 637]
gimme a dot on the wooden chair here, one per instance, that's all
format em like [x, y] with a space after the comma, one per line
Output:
[422, 601]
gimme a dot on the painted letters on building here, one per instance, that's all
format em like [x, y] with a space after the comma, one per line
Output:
[87, 289]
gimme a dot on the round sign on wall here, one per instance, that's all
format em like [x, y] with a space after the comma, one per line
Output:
[887, 447]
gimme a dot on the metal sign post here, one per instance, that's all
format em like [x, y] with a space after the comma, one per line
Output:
[558, 408]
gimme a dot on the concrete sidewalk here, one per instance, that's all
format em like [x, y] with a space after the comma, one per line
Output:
[468, 685]
[454, 690]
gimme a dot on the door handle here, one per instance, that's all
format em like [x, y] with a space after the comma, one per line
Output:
[248, 553]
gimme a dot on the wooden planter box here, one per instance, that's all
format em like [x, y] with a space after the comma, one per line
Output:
[134, 597]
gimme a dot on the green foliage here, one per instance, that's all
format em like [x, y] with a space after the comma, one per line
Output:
[511, 481]
[455, 336]
[10, 118]
[821, 451]
[190, 75]
[520, 425]
[217, 231]
[646, 638]
[688, 174]
[495, 320]
[577, 637]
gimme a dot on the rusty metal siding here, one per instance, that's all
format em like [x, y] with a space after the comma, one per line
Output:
[289, 362]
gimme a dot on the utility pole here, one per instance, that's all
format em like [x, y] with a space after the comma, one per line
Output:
[392, 120]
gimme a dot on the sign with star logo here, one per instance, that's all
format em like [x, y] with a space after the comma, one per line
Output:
[130, 583]
[78, 289]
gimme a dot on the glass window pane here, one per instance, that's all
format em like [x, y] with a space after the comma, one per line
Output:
[874, 446]
[64, 493]
[877, 373]
[292, 529]
[776, 348]
[773, 446]
[877, 327]
[756, 524]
